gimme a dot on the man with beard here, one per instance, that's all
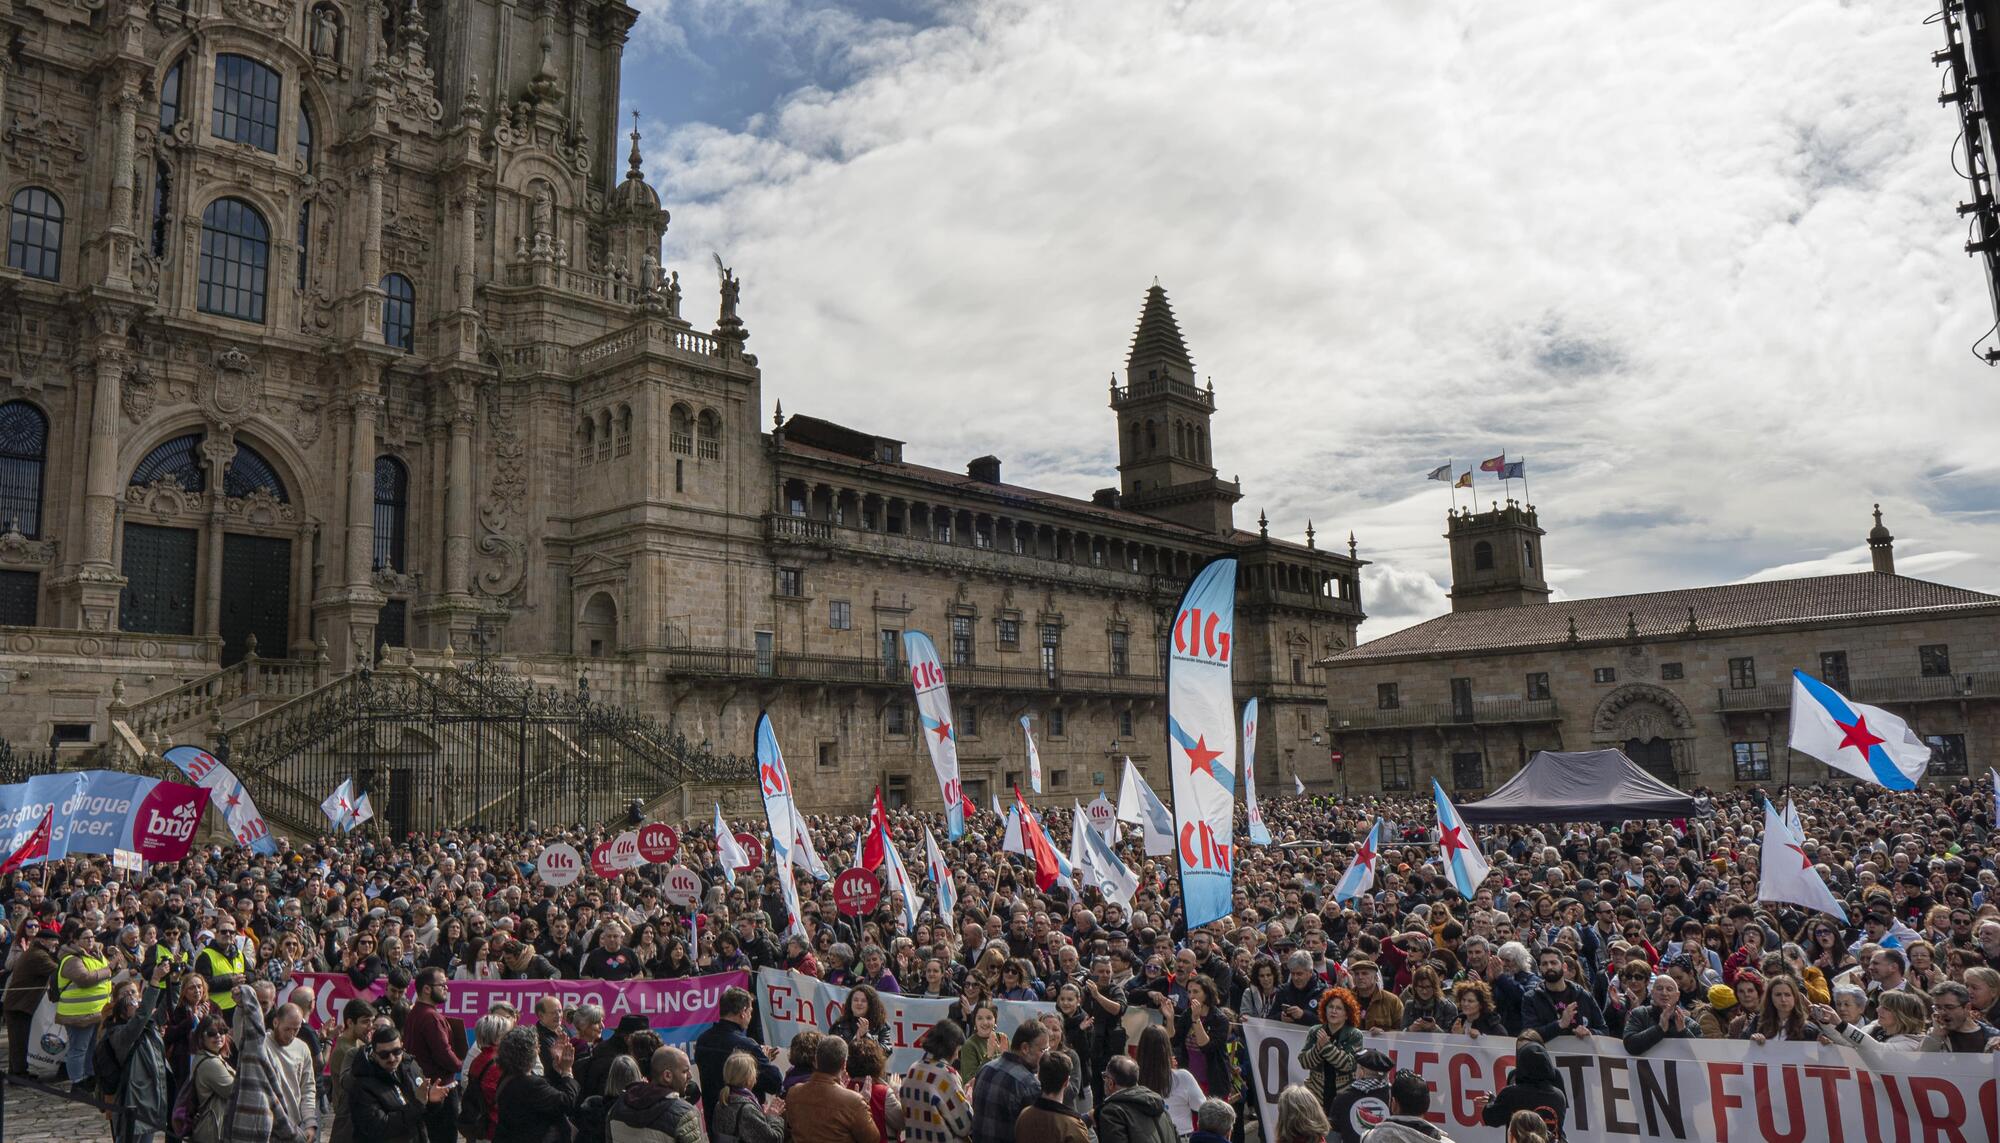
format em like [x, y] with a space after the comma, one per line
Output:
[1559, 1007]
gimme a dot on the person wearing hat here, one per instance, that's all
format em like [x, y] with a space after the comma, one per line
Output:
[593, 1073]
[30, 964]
[1365, 1102]
[1712, 1014]
[1409, 1099]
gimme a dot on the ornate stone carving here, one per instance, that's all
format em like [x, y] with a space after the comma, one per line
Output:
[1636, 707]
[165, 497]
[270, 17]
[233, 388]
[49, 145]
[136, 396]
[389, 581]
[16, 548]
[505, 572]
[261, 508]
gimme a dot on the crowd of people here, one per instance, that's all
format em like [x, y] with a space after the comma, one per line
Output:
[176, 986]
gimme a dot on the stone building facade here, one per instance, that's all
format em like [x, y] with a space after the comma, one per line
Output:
[334, 326]
[1694, 684]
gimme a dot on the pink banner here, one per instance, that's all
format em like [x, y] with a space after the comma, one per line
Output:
[679, 1010]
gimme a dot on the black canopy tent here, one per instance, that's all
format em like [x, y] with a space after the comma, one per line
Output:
[1579, 786]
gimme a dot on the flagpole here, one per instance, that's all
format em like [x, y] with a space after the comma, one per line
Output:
[1451, 482]
[1527, 500]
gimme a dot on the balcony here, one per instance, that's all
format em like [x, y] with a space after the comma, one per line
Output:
[1482, 712]
[784, 528]
[730, 663]
[1888, 689]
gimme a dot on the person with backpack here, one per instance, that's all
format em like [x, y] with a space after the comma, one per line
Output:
[477, 1111]
[211, 1084]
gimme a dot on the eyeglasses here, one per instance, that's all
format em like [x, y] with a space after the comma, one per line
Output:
[388, 1053]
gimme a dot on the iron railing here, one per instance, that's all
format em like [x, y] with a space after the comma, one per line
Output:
[1882, 689]
[1479, 712]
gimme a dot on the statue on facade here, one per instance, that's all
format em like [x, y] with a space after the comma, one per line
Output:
[732, 291]
[545, 211]
[674, 294]
[326, 33]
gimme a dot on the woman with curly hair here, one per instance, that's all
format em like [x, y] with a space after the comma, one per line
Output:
[1328, 1056]
[1476, 1016]
[863, 1015]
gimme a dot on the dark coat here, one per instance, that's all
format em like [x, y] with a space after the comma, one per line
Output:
[713, 1048]
[535, 1109]
[1047, 1121]
[384, 1104]
[1135, 1115]
[145, 1090]
[1535, 1086]
[1541, 1011]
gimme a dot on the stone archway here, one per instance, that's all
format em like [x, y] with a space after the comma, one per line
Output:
[1650, 724]
[597, 629]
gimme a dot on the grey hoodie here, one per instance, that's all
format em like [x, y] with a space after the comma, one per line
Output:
[1406, 1129]
[1135, 1114]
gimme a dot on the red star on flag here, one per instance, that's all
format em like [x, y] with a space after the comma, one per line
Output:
[231, 801]
[942, 730]
[1200, 757]
[1452, 842]
[1364, 856]
[1804, 861]
[1857, 735]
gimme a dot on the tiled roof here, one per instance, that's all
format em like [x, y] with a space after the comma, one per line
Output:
[1725, 607]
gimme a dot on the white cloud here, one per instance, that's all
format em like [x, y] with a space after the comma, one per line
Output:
[1698, 263]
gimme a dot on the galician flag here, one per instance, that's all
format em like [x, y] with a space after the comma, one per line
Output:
[1260, 834]
[947, 885]
[1787, 874]
[1139, 805]
[901, 889]
[1865, 741]
[728, 851]
[781, 815]
[1441, 472]
[362, 810]
[1463, 862]
[1360, 876]
[1097, 865]
[339, 806]
[1298, 784]
[1034, 757]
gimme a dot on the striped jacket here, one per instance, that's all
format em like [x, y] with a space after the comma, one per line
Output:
[935, 1106]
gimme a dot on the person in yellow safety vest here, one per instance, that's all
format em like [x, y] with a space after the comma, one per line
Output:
[224, 965]
[84, 975]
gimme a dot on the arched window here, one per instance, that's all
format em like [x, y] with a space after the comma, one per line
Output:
[709, 430]
[1482, 556]
[604, 435]
[235, 255]
[250, 472]
[24, 448]
[680, 430]
[178, 460]
[170, 97]
[246, 102]
[305, 136]
[392, 510]
[1528, 553]
[34, 237]
[624, 429]
[399, 312]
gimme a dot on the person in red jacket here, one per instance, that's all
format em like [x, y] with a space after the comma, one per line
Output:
[428, 1035]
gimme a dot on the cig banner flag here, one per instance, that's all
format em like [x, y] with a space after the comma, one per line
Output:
[781, 815]
[1201, 741]
[246, 825]
[1260, 834]
[1865, 741]
[934, 712]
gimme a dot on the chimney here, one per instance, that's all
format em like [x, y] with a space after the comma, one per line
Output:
[985, 469]
[1105, 498]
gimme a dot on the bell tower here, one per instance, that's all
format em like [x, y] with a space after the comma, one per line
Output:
[1496, 558]
[1164, 464]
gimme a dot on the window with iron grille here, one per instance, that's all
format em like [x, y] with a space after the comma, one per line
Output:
[1124, 724]
[1395, 770]
[1833, 669]
[246, 102]
[1388, 696]
[1121, 653]
[1468, 771]
[1670, 671]
[178, 460]
[1947, 753]
[892, 650]
[1934, 660]
[1753, 761]
[235, 257]
[1010, 632]
[961, 640]
[392, 511]
[968, 720]
[1298, 669]
[1058, 722]
[791, 582]
[839, 615]
[249, 472]
[34, 234]
[24, 444]
[399, 312]
[20, 593]
[896, 718]
[1604, 675]
[1538, 685]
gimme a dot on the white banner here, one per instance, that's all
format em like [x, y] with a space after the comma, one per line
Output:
[934, 714]
[1260, 834]
[781, 815]
[792, 1003]
[1728, 1091]
[1201, 741]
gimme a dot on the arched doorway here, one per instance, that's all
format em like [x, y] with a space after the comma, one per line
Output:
[1648, 723]
[1654, 755]
[597, 630]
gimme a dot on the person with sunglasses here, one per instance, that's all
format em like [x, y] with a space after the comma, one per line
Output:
[214, 1079]
[388, 1097]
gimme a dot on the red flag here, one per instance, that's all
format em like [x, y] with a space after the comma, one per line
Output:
[970, 808]
[37, 845]
[1046, 867]
[874, 849]
[1494, 464]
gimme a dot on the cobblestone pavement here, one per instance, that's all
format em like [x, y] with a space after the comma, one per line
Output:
[36, 1118]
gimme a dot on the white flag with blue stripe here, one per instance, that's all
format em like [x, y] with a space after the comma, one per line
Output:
[728, 851]
[1360, 875]
[941, 876]
[1865, 741]
[1463, 862]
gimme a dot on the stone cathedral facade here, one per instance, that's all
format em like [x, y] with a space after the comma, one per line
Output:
[334, 333]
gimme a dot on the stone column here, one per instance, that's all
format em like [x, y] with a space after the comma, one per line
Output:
[218, 449]
[101, 491]
[371, 262]
[458, 495]
[366, 403]
[302, 564]
[118, 208]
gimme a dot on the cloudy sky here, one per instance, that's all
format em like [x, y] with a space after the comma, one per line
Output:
[1697, 263]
